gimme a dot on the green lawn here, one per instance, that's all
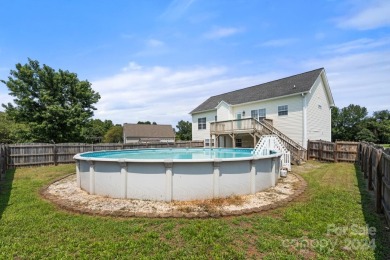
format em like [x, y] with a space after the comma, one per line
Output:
[326, 222]
[386, 145]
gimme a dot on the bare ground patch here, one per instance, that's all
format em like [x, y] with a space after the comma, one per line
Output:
[68, 196]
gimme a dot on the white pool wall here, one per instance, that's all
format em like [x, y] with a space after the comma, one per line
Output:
[167, 180]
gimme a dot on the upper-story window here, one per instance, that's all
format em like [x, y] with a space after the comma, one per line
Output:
[262, 113]
[259, 114]
[255, 114]
[283, 110]
[201, 123]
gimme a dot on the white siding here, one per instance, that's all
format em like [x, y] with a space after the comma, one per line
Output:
[291, 124]
[224, 112]
[202, 133]
[318, 113]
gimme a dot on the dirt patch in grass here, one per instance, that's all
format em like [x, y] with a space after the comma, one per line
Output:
[68, 196]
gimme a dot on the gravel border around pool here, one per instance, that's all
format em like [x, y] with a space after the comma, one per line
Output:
[66, 195]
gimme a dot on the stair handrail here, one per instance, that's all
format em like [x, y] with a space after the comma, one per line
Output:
[280, 134]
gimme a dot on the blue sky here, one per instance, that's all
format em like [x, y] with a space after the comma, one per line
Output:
[157, 60]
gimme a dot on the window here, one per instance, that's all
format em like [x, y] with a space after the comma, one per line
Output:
[215, 118]
[258, 114]
[238, 142]
[207, 142]
[262, 113]
[255, 114]
[201, 123]
[283, 110]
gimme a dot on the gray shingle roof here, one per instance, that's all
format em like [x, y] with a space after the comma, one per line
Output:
[277, 88]
[148, 131]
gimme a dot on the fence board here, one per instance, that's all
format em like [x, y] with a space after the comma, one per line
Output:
[375, 164]
[332, 152]
[386, 185]
[35, 154]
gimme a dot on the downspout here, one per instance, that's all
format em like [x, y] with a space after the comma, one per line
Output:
[124, 135]
[304, 137]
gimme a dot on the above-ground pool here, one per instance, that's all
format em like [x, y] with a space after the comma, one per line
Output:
[176, 174]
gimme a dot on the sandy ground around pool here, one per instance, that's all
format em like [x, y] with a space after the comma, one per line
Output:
[67, 195]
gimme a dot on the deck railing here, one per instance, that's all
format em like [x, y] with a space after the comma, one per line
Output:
[230, 126]
[259, 128]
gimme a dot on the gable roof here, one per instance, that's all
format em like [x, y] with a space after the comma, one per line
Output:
[148, 131]
[282, 87]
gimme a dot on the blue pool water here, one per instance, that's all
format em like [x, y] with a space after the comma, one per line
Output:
[174, 153]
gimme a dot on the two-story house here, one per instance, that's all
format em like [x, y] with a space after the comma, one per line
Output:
[298, 107]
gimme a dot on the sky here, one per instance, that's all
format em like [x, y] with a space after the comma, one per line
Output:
[157, 60]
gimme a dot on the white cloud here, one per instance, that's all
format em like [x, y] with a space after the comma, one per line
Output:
[176, 9]
[154, 43]
[222, 32]
[132, 66]
[164, 95]
[359, 44]
[360, 79]
[153, 47]
[376, 15]
[278, 42]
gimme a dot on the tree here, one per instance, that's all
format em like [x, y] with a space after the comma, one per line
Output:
[114, 135]
[379, 124]
[11, 132]
[54, 104]
[347, 122]
[184, 130]
[95, 130]
[366, 136]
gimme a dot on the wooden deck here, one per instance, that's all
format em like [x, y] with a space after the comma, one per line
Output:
[255, 129]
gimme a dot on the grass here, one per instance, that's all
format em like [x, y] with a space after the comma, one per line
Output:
[326, 222]
[386, 145]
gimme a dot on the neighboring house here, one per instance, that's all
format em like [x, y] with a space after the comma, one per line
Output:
[298, 106]
[134, 133]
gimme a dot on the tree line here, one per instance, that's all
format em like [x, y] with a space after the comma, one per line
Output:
[352, 123]
[55, 106]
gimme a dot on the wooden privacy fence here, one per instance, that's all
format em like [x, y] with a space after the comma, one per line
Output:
[3, 159]
[340, 151]
[35, 154]
[374, 162]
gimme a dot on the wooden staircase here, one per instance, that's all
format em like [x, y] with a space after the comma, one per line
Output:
[298, 153]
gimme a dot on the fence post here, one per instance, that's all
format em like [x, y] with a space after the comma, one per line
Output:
[335, 152]
[370, 158]
[379, 174]
[7, 157]
[2, 162]
[55, 159]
